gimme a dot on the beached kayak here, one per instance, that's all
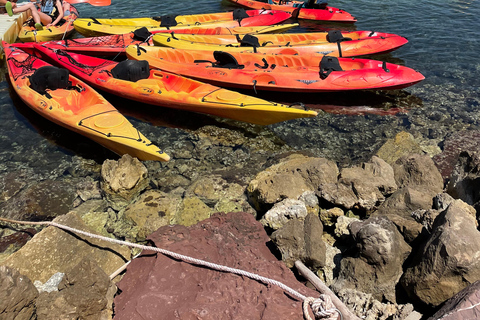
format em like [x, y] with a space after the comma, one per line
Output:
[336, 47]
[91, 27]
[28, 32]
[308, 10]
[116, 44]
[285, 73]
[134, 80]
[71, 103]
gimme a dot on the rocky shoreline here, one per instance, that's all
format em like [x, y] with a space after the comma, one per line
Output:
[394, 237]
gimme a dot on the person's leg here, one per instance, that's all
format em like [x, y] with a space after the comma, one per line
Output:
[66, 9]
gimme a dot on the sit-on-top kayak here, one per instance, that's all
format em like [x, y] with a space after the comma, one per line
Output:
[69, 102]
[116, 44]
[251, 43]
[28, 32]
[134, 80]
[285, 73]
[91, 27]
[302, 10]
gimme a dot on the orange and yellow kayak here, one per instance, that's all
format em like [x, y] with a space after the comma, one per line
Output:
[285, 73]
[91, 27]
[170, 90]
[255, 43]
[71, 103]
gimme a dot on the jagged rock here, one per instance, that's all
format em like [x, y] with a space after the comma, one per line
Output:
[448, 261]
[54, 250]
[368, 308]
[464, 305]
[425, 217]
[284, 211]
[330, 216]
[290, 179]
[418, 172]
[311, 202]
[17, 295]
[441, 201]
[40, 202]
[192, 210]
[301, 240]
[464, 182]
[381, 254]
[85, 292]
[393, 149]
[187, 291]
[341, 226]
[329, 272]
[123, 180]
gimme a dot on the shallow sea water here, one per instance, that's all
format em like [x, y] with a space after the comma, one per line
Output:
[443, 46]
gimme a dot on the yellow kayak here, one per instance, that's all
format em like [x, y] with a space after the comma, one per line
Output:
[28, 33]
[71, 103]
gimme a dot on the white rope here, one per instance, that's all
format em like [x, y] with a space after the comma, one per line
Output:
[322, 307]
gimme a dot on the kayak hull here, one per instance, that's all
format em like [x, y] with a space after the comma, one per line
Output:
[81, 110]
[169, 90]
[285, 73]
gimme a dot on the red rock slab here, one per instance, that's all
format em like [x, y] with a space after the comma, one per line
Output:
[158, 287]
[465, 305]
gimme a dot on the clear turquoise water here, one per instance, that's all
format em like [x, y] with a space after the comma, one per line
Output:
[443, 46]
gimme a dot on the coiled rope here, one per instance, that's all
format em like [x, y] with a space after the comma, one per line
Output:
[322, 307]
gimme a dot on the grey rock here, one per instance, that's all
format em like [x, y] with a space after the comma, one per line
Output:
[464, 182]
[51, 284]
[284, 211]
[448, 261]
[17, 295]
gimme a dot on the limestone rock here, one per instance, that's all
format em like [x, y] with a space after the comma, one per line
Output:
[290, 179]
[17, 295]
[329, 216]
[54, 250]
[156, 282]
[403, 144]
[301, 240]
[341, 226]
[381, 254]
[463, 305]
[123, 180]
[448, 262]
[284, 211]
[85, 292]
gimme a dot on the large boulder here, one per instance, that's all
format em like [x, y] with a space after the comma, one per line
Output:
[53, 250]
[418, 172]
[464, 182]
[377, 266]
[448, 262]
[301, 239]
[290, 179]
[85, 292]
[17, 295]
[157, 283]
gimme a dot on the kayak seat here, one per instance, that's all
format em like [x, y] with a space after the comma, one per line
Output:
[49, 77]
[169, 20]
[336, 36]
[131, 70]
[141, 34]
[328, 65]
[249, 41]
[240, 14]
[223, 60]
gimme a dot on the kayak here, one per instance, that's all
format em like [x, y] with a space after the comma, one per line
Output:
[90, 27]
[285, 73]
[366, 46]
[169, 90]
[300, 10]
[115, 44]
[28, 32]
[71, 103]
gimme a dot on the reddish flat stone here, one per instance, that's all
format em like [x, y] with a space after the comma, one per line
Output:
[465, 305]
[159, 287]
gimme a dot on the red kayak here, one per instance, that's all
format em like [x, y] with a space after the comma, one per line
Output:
[302, 10]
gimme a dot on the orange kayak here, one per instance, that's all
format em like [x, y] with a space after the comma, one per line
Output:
[285, 73]
[300, 9]
[71, 103]
[337, 48]
[169, 90]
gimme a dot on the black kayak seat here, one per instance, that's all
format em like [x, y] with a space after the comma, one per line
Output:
[240, 14]
[49, 77]
[131, 70]
[328, 65]
[249, 41]
[226, 60]
[336, 36]
[141, 34]
[169, 20]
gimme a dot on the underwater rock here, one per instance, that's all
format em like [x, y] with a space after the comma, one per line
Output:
[402, 145]
[185, 290]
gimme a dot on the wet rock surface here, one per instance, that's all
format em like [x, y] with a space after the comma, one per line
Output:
[186, 291]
